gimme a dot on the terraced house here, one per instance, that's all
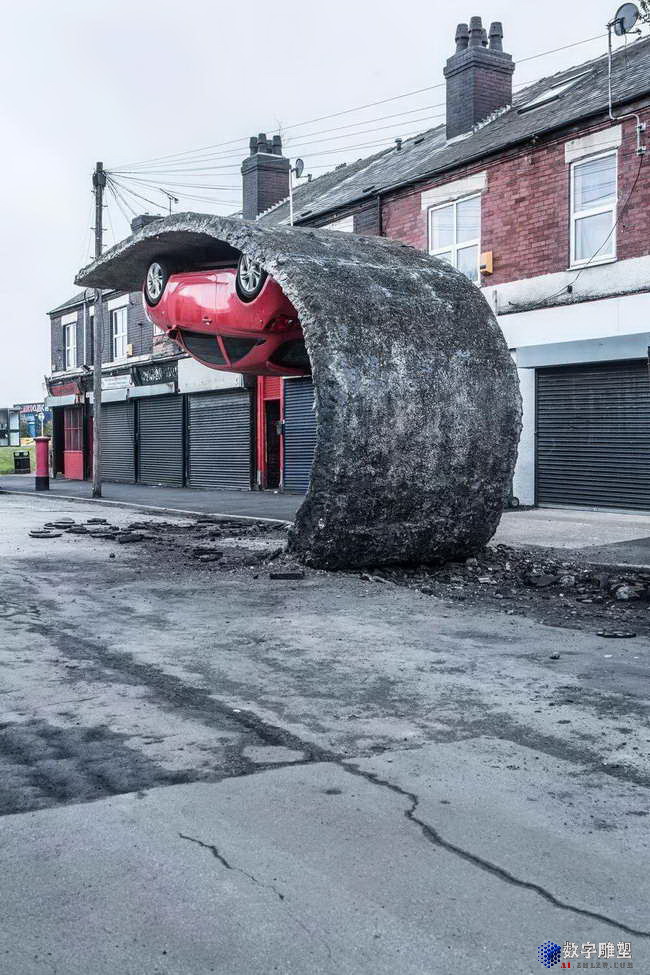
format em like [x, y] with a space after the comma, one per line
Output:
[541, 197]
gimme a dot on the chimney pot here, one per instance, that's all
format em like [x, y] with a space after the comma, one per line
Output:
[484, 38]
[277, 145]
[496, 36]
[475, 31]
[253, 145]
[462, 37]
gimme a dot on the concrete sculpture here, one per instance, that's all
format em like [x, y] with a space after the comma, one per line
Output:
[417, 402]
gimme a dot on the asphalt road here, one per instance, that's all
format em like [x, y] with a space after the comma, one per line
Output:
[206, 770]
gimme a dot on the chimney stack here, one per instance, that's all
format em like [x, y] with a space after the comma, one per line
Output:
[142, 220]
[479, 76]
[265, 175]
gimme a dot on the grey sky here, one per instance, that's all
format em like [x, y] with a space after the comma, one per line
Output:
[144, 78]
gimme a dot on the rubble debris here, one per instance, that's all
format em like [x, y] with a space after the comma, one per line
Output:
[44, 533]
[616, 634]
[126, 537]
[287, 574]
[96, 521]
[557, 588]
[625, 592]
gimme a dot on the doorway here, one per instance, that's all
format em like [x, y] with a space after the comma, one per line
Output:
[272, 427]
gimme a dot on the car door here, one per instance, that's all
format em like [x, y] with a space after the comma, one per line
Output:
[194, 301]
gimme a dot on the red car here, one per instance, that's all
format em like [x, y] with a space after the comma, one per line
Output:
[236, 319]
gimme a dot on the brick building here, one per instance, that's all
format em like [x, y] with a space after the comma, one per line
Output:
[165, 418]
[543, 200]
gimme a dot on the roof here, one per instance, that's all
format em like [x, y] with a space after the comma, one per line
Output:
[76, 301]
[561, 99]
[73, 302]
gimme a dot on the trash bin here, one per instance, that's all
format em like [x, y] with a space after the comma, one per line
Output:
[22, 462]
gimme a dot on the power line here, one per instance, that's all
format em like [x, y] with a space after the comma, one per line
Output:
[229, 155]
[358, 108]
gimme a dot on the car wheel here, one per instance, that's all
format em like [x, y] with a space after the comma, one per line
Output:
[250, 278]
[155, 281]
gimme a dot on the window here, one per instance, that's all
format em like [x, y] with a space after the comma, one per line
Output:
[69, 346]
[593, 209]
[118, 332]
[455, 232]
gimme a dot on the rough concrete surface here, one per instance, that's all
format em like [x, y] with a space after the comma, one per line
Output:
[417, 402]
[206, 770]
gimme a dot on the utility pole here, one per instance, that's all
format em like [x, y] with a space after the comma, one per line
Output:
[99, 182]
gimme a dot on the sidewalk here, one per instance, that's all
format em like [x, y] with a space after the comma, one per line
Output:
[602, 537]
[251, 504]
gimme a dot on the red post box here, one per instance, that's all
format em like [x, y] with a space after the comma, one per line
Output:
[42, 479]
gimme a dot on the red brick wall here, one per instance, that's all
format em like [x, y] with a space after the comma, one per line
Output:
[525, 209]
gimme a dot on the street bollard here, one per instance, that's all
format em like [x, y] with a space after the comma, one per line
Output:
[42, 479]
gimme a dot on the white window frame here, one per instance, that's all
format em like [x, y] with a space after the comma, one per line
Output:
[575, 215]
[119, 337]
[456, 246]
[70, 345]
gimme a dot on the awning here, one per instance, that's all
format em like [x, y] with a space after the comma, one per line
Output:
[71, 400]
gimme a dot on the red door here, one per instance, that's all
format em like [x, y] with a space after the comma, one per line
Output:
[269, 435]
[73, 450]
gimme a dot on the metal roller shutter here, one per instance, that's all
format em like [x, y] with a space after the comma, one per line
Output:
[299, 433]
[220, 440]
[593, 435]
[160, 440]
[118, 454]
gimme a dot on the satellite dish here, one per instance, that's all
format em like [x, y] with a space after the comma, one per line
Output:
[625, 18]
[300, 165]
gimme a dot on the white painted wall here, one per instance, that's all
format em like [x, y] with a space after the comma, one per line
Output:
[609, 277]
[602, 318]
[193, 377]
[524, 480]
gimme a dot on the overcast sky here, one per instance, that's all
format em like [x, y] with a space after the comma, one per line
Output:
[130, 81]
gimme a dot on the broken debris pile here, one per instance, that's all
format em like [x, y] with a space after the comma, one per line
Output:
[556, 589]
[209, 541]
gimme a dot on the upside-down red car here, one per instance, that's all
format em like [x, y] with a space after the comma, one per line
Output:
[236, 319]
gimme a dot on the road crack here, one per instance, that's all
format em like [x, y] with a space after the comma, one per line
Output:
[218, 855]
[436, 839]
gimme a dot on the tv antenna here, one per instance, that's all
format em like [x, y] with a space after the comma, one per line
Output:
[171, 198]
[298, 168]
[623, 23]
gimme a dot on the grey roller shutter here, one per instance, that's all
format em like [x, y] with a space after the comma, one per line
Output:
[160, 440]
[593, 435]
[299, 433]
[220, 440]
[118, 454]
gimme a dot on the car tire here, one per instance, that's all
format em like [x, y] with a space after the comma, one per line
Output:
[250, 279]
[155, 282]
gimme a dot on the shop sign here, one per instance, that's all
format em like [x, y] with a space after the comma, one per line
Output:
[116, 382]
[154, 373]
